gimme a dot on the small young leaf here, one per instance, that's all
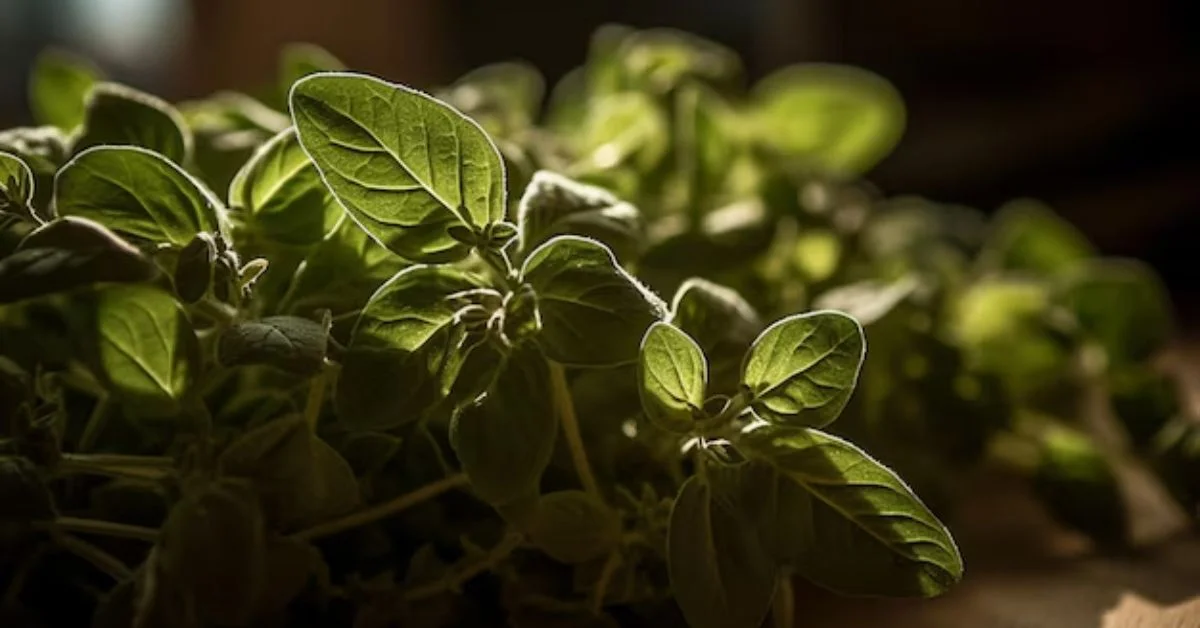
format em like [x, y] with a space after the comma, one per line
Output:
[593, 312]
[281, 192]
[674, 378]
[838, 119]
[1028, 236]
[23, 492]
[69, 253]
[123, 116]
[137, 192]
[194, 268]
[505, 441]
[1122, 305]
[300, 478]
[867, 301]
[802, 369]
[16, 180]
[58, 86]
[846, 522]
[721, 574]
[147, 352]
[405, 350]
[405, 170]
[574, 527]
[721, 322]
[294, 344]
[213, 546]
[555, 205]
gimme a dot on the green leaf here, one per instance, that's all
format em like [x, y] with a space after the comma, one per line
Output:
[1122, 305]
[69, 253]
[146, 350]
[705, 148]
[721, 322]
[300, 478]
[213, 546]
[299, 60]
[23, 492]
[838, 119]
[137, 192]
[194, 268]
[341, 272]
[1078, 484]
[123, 116]
[43, 148]
[406, 349]
[867, 301]
[16, 180]
[574, 527]
[622, 128]
[290, 564]
[406, 168]
[802, 369]
[504, 97]
[660, 59]
[593, 312]
[1145, 399]
[721, 575]
[282, 195]
[555, 205]
[505, 440]
[1029, 236]
[674, 378]
[290, 343]
[845, 521]
[58, 85]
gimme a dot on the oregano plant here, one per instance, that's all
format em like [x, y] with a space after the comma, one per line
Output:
[352, 353]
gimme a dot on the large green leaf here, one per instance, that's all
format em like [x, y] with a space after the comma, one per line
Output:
[146, 350]
[721, 322]
[574, 527]
[1123, 306]
[593, 312]
[341, 272]
[842, 519]
[123, 116]
[58, 85]
[290, 343]
[721, 574]
[406, 351]
[16, 181]
[803, 368]
[137, 192]
[674, 377]
[282, 195]
[505, 441]
[555, 205]
[300, 478]
[833, 118]
[404, 165]
[622, 128]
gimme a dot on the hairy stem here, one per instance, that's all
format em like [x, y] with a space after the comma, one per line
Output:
[99, 558]
[381, 511]
[456, 579]
[102, 528]
[565, 408]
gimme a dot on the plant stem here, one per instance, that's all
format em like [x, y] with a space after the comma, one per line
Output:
[499, 262]
[783, 607]
[96, 423]
[453, 581]
[102, 528]
[99, 558]
[316, 397]
[570, 427]
[150, 468]
[386, 509]
[17, 583]
[606, 574]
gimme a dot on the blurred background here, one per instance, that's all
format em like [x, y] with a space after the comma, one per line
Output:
[1089, 106]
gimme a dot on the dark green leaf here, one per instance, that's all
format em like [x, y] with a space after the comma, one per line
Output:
[147, 352]
[593, 312]
[194, 268]
[574, 527]
[1029, 236]
[405, 170]
[213, 546]
[299, 60]
[137, 192]
[294, 344]
[290, 564]
[721, 322]
[555, 205]
[505, 441]
[282, 195]
[23, 491]
[1145, 400]
[406, 350]
[368, 452]
[122, 116]
[69, 253]
[43, 148]
[867, 301]
[58, 85]
[1122, 305]
[803, 368]
[674, 378]
[1078, 484]
[341, 272]
[846, 522]
[301, 479]
[834, 118]
[721, 574]
[16, 180]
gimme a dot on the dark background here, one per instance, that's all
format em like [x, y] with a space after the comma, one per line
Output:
[1088, 105]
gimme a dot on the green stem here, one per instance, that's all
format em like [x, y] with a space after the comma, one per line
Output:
[316, 397]
[99, 558]
[96, 423]
[455, 580]
[102, 528]
[565, 408]
[150, 468]
[783, 607]
[606, 575]
[499, 262]
[381, 511]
